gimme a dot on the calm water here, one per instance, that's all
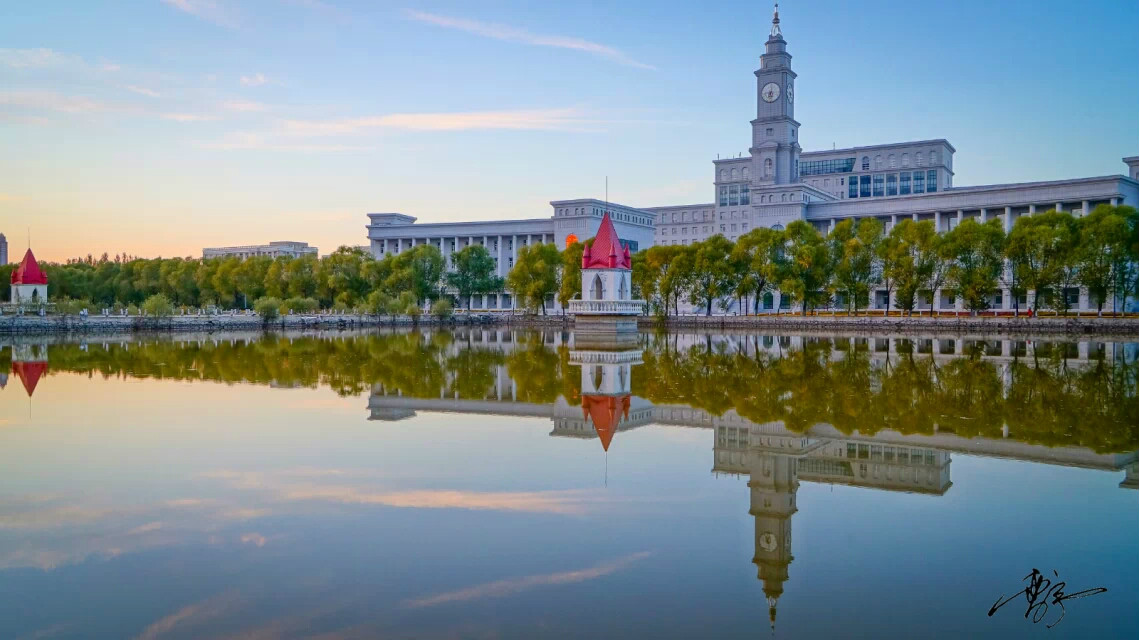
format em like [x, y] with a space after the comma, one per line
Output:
[505, 484]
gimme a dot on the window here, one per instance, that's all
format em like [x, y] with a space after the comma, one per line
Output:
[919, 158]
[905, 160]
[933, 157]
[745, 193]
[767, 168]
[931, 181]
[724, 196]
[879, 182]
[919, 182]
[863, 186]
[893, 161]
[892, 184]
[734, 195]
[878, 162]
[820, 167]
[905, 187]
[735, 173]
[723, 174]
[770, 132]
[723, 227]
[865, 163]
[853, 191]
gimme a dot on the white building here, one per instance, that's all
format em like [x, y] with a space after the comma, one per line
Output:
[776, 183]
[278, 249]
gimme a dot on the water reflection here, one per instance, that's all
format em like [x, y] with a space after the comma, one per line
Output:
[881, 414]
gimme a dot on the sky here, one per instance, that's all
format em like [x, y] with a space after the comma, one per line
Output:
[158, 127]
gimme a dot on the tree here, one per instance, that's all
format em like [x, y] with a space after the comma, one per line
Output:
[473, 273]
[158, 305]
[677, 276]
[895, 255]
[649, 267]
[535, 275]
[1103, 258]
[418, 270]
[341, 278]
[975, 251]
[757, 253]
[711, 271]
[1039, 249]
[805, 266]
[854, 254]
[268, 307]
[931, 266]
[571, 273]
[442, 308]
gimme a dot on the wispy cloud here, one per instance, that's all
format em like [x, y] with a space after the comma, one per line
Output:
[246, 141]
[188, 117]
[514, 34]
[255, 80]
[143, 91]
[244, 105]
[209, 10]
[502, 588]
[563, 119]
[51, 101]
[34, 58]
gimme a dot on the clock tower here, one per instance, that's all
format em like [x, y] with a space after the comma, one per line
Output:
[774, 483]
[775, 133]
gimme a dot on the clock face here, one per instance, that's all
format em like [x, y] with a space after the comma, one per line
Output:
[767, 541]
[770, 92]
[790, 93]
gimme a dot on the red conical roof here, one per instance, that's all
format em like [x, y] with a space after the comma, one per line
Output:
[605, 412]
[607, 251]
[29, 373]
[29, 271]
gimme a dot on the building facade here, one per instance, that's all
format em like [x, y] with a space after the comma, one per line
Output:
[3, 249]
[277, 249]
[777, 182]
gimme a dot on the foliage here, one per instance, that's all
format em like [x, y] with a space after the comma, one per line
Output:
[442, 308]
[711, 273]
[757, 256]
[473, 273]
[975, 252]
[158, 305]
[854, 254]
[300, 305]
[571, 273]
[805, 265]
[535, 275]
[418, 270]
[268, 307]
[1040, 249]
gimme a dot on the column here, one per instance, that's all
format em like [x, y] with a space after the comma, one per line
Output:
[1008, 219]
[1115, 202]
[984, 215]
[893, 221]
[1006, 299]
[960, 217]
[1031, 209]
[1059, 206]
[830, 229]
[915, 217]
[937, 221]
[1084, 208]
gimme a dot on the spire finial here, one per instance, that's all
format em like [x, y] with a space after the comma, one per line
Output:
[775, 32]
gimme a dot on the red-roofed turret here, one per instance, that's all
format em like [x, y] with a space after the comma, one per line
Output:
[607, 251]
[29, 271]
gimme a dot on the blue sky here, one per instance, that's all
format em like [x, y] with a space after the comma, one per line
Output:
[157, 127]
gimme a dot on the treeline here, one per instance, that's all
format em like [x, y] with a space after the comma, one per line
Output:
[1043, 254]
[1043, 398]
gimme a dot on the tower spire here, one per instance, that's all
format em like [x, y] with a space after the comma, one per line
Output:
[775, 31]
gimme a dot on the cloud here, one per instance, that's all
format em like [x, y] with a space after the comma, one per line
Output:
[513, 34]
[243, 141]
[109, 66]
[208, 10]
[188, 117]
[255, 80]
[244, 105]
[564, 119]
[51, 101]
[502, 588]
[143, 91]
[189, 616]
[35, 58]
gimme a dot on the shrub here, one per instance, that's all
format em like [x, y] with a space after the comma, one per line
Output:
[268, 308]
[300, 305]
[158, 305]
[442, 308]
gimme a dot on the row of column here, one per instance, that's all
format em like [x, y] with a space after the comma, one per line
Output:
[959, 215]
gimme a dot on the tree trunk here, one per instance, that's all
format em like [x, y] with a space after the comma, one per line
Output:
[708, 313]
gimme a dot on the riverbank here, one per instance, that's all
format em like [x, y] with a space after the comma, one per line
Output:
[947, 325]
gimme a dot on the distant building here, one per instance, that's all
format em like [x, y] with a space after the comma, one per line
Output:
[3, 250]
[278, 249]
[29, 282]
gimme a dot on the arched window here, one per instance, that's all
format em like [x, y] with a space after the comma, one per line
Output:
[623, 290]
[597, 377]
[905, 160]
[767, 168]
[735, 173]
[745, 172]
[878, 162]
[892, 160]
[785, 197]
[777, 227]
[865, 163]
[933, 157]
[598, 289]
[723, 174]
[919, 158]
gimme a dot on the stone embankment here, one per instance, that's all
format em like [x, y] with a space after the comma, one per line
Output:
[903, 325]
[33, 324]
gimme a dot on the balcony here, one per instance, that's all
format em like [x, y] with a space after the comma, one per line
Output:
[607, 307]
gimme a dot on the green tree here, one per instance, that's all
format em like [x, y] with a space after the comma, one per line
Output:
[535, 275]
[442, 308]
[854, 254]
[1103, 258]
[805, 265]
[757, 253]
[418, 270]
[931, 266]
[473, 273]
[976, 259]
[711, 272]
[571, 273]
[896, 256]
[268, 307]
[158, 305]
[1039, 250]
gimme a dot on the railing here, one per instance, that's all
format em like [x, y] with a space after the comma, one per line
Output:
[607, 307]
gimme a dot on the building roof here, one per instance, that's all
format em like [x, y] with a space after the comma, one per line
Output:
[29, 374]
[606, 413]
[29, 271]
[607, 251]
